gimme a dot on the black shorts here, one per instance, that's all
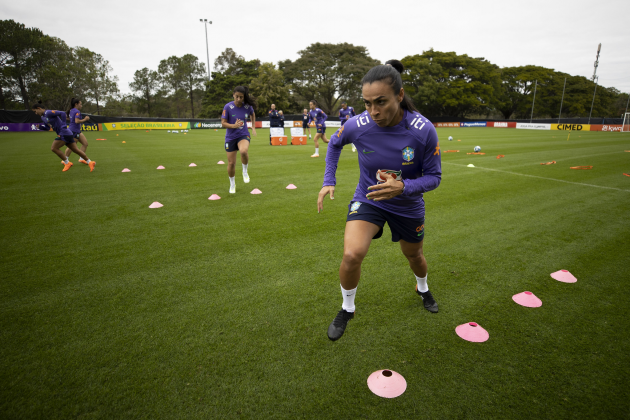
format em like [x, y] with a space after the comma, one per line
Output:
[305, 125]
[321, 130]
[76, 135]
[66, 138]
[232, 145]
[406, 228]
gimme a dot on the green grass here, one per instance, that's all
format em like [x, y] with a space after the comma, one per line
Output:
[219, 309]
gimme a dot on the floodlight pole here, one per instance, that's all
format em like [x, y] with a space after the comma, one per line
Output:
[533, 102]
[595, 79]
[207, 22]
[628, 101]
[593, 101]
[562, 100]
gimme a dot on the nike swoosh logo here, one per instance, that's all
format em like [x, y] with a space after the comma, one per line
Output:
[371, 151]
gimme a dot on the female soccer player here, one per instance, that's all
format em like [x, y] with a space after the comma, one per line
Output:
[319, 117]
[57, 120]
[345, 113]
[234, 118]
[306, 120]
[75, 127]
[400, 160]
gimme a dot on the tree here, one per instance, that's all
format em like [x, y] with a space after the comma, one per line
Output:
[193, 73]
[327, 72]
[145, 83]
[515, 95]
[447, 84]
[269, 88]
[219, 90]
[226, 60]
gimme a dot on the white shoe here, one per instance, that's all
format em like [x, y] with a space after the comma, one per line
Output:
[246, 178]
[315, 155]
[354, 149]
[232, 189]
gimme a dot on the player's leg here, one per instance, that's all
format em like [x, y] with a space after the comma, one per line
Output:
[231, 158]
[55, 148]
[84, 144]
[316, 140]
[324, 135]
[417, 262]
[75, 149]
[243, 149]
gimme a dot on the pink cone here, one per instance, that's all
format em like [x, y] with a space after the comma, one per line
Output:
[527, 299]
[256, 191]
[161, 167]
[563, 276]
[126, 170]
[471, 331]
[221, 163]
[156, 205]
[192, 164]
[387, 383]
[214, 197]
[291, 187]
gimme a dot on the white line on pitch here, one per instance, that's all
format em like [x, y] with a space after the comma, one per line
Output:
[540, 177]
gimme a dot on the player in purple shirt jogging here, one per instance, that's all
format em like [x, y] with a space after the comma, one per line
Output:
[345, 113]
[399, 160]
[57, 120]
[319, 118]
[76, 119]
[234, 118]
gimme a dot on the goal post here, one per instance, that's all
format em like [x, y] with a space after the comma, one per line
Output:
[626, 122]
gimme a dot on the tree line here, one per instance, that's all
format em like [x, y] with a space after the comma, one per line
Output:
[34, 66]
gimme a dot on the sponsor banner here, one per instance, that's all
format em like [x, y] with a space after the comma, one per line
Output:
[204, 125]
[571, 127]
[473, 124]
[89, 126]
[333, 123]
[146, 125]
[297, 123]
[606, 127]
[501, 124]
[19, 127]
[533, 126]
[446, 124]
[259, 124]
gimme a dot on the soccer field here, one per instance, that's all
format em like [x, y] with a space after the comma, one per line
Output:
[219, 309]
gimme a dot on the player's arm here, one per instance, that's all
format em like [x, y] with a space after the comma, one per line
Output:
[431, 168]
[78, 121]
[352, 113]
[335, 146]
[253, 119]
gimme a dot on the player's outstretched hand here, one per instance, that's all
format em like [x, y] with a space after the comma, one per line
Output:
[329, 189]
[254, 131]
[389, 189]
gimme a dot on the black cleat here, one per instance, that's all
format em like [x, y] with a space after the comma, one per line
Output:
[338, 326]
[427, 299]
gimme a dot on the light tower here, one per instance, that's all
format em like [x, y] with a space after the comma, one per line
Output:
[207, 22]
[595, 79]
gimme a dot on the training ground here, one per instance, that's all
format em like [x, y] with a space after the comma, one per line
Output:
[219, 309]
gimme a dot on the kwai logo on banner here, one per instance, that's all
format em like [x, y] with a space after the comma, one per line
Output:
[533, 126]
[146, 125]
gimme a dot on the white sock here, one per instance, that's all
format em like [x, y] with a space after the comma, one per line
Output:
[348, 299]
[88, 161]
[317, 150]
[66, 161]
[232, 181]
[422, 284]
[309, 136]
[244, 168]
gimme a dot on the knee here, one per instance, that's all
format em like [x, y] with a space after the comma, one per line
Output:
[416, 257]
[52, 149]
[352, 257]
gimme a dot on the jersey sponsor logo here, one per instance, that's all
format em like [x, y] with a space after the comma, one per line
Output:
[408, 154]
[231, 106]
[223, 115]
[355, 207]
[396, 174]
[437, 149]
[361, 122]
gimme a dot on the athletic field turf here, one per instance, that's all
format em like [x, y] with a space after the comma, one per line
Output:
[219, 309]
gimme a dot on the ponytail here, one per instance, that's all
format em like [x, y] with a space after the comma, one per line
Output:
[249, 100]
[73, 102]
[391, 72]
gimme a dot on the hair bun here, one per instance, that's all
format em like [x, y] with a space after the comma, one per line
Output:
[396, 64]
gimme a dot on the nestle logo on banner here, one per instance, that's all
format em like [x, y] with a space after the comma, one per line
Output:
[501, 124]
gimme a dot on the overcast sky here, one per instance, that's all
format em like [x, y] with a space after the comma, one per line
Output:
[134, 34]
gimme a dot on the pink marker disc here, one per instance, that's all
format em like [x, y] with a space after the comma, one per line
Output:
[471, 331]
[256, 191]
[192, 164]
[527, 299]
[387, 383]
[563, 276]
[214, 197]
[161, 167]
[291, 187]
[221, 163]
[156, 205]
[126, 170]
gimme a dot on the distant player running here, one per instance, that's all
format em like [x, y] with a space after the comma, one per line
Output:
[76, 119]
[234, 118]
[399, 160]
[306, 121]
[319, 118]
[345, 113]
[57, 120]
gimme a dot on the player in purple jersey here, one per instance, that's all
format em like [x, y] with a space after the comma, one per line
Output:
[57, 120]
[234, 118]
[345, 113]
[319, 118]
[306, 121]
[76, 119]
[399, 160]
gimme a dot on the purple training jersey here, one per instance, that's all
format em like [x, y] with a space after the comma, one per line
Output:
[57, 120]
[410, 150]
[75, 127]
[318, 116]
[231, 113]
[346, 114]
